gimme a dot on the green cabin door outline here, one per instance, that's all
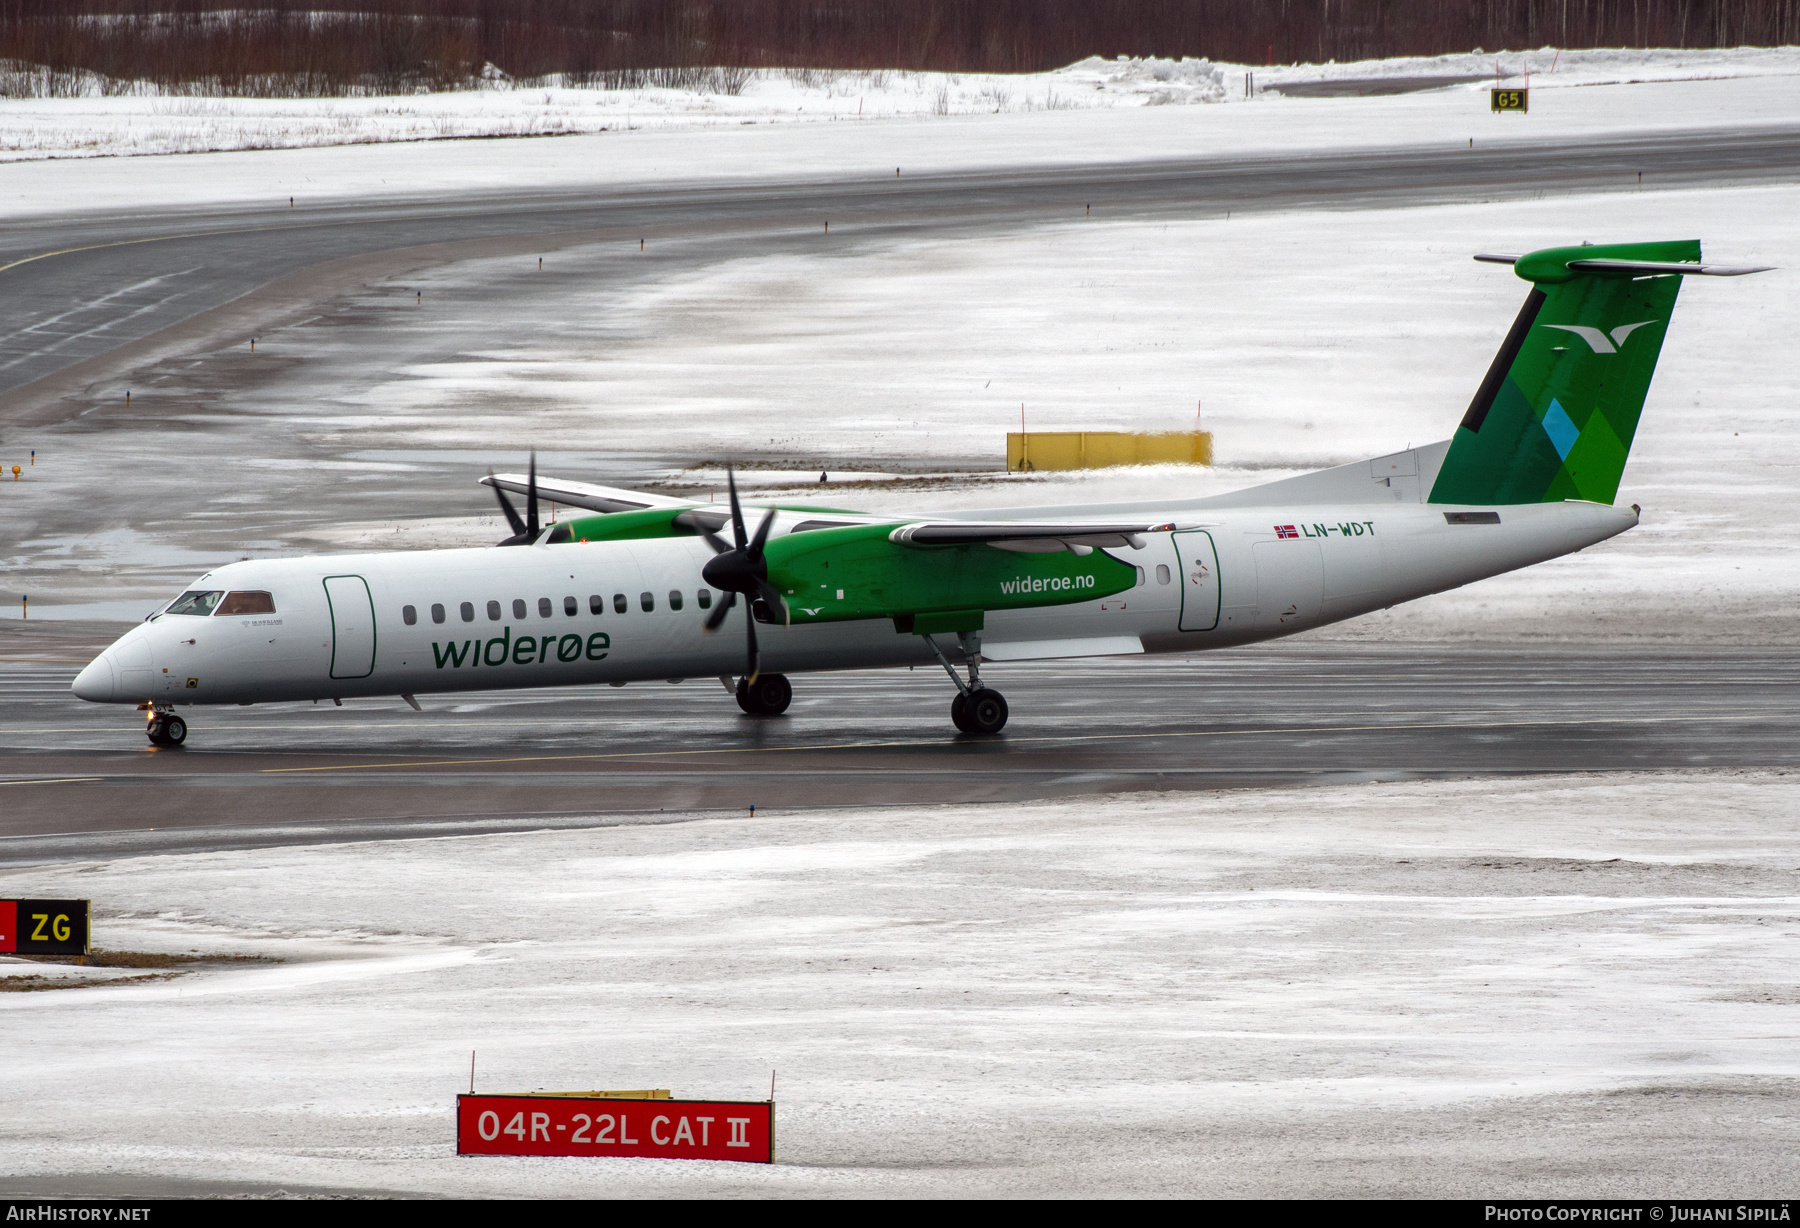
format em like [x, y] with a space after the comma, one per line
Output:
[352, 626]
[1198, 570]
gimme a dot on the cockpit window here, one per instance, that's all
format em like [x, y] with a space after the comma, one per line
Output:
[246, 603]
[196, 603]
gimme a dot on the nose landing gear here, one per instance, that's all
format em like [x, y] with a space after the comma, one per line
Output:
[769, 695]
[976, 708]
[164, 728]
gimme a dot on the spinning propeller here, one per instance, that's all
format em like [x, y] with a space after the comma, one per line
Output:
[742, 569]
[524, 531]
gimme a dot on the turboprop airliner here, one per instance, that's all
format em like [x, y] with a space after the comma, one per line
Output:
[635, 588]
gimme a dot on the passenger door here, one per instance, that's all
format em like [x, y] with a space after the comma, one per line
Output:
[1198, 568]
[352, 626]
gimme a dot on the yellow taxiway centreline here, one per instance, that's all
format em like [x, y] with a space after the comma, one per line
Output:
[57, 780]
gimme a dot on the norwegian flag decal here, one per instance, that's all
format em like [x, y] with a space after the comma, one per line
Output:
[1286, 530]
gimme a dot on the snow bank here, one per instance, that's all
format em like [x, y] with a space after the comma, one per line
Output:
[1395, 988]
[145, 122]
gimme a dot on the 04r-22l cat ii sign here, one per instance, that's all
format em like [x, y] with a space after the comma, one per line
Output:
[634, 590]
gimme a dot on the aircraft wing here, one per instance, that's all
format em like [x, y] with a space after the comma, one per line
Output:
[1024, 536]
[584, 494]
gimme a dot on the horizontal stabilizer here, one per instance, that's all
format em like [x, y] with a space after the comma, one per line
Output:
[1646, 267]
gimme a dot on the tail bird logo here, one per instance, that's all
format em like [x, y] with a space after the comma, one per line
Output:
[1597, 340]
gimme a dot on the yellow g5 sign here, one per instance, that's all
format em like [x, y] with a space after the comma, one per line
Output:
[1509, 100]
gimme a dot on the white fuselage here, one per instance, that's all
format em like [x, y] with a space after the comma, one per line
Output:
[526, 616]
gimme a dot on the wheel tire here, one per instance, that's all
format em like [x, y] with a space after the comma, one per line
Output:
[959, 712]
[174, 731]
[154, 731]
[985, 711]
[769, 695]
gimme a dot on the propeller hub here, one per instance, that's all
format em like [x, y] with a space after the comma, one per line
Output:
[732, 572]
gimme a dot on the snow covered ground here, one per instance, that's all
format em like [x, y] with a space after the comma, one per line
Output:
[146, 122]
[1096, 111]
[1552, 987]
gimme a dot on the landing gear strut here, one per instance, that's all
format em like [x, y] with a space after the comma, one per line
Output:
[976, 708]
[769, 695]
[164, 728]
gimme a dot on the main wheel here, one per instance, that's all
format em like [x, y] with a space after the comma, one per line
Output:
[769, 695]
[985, 711]
[959, 712]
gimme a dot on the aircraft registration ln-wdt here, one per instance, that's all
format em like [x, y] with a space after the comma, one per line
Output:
[633, 591]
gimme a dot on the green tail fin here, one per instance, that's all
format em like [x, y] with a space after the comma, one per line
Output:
[1554, 418]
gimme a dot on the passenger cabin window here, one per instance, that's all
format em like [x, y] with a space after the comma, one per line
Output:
[674, 599]
[648, 601]
[596, 604]
[247, 603]
[1162, 573]
[198, 604]
[437, 613]
[518, 607]
[408, 614]
[543, 607]
[704, 596]
[467, 611]
[571, 607]
[1140, 572]
[493, 611]
[619, 603]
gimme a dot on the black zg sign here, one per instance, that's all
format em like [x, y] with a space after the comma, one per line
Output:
[44, 927]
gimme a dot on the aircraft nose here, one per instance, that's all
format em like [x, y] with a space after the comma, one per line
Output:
[98, 682]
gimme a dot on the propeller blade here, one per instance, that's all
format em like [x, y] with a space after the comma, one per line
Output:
[715, 541]
[737, 511]
[754, 554]
[531, 516]
[719, 612]
[512, 517]
[755, 656]
[772, 598]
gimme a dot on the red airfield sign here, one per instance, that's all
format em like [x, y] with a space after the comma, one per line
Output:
[551, 1125]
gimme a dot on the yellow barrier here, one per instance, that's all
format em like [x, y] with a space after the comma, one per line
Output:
[1103, 449]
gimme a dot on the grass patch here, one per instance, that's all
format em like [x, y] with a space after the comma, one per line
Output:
[149, 959]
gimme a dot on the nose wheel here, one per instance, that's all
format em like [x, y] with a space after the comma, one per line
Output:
[166, 729]
[769, 695]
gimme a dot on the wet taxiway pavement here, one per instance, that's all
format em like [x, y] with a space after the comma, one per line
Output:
[79, 780]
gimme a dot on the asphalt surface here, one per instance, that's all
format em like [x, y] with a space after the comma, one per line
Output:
[79, 780]
[74, 289]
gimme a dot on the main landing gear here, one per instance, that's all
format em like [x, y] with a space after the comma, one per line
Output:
[769, 695]
[976, 708]
[164, 728]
